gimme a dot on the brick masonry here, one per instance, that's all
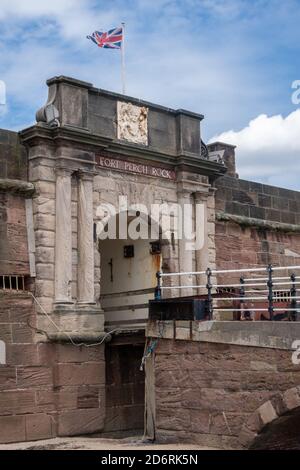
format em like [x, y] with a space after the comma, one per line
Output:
[221, 395]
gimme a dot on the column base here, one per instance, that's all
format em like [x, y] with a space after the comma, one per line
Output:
[85, 320]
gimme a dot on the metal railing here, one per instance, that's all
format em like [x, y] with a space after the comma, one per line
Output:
[262, 292]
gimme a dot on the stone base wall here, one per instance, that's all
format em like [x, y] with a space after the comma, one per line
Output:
[13, 235]
[256, 224]
[220, 395]
[239, 246]
[46, 389]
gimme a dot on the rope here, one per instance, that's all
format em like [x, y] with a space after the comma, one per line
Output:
[106, 335]
[149, 350]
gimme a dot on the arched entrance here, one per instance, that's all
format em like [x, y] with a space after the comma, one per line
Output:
[128, 279]
[128, 272]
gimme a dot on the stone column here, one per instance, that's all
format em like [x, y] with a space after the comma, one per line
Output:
[85, 278]
[202, 258]
[185, 254]
[63, 237]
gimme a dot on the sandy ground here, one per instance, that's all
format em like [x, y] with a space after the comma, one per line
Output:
[85, 443]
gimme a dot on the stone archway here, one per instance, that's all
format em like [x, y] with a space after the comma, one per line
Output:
[129, 266]
[277, 417]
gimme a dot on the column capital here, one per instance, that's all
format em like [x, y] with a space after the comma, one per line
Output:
[201, 196]
[184, 193]
[63, 170]
[86, 175]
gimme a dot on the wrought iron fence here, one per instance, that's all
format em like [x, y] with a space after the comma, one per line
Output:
[266, 293]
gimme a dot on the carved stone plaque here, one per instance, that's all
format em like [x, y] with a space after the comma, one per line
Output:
[132, 123]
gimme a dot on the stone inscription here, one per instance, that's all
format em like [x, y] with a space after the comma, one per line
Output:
[138, 168]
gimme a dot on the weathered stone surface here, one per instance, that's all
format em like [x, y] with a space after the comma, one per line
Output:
[12, 429]
[31, 377]
[86, 421]
[23, 354]
[39, 426]
[79, 374]
[88, 397]
[21, 333]
[267, 413]
[291, 398]
[223, 391]
[17, 402]
[70, 353]
[8, 379]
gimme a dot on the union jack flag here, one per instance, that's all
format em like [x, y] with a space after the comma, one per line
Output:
[111, 39]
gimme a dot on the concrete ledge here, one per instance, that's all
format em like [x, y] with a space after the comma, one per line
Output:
[274, 335]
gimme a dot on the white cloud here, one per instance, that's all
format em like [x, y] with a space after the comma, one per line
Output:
[211, 58]
[35, 8]
[268, 149]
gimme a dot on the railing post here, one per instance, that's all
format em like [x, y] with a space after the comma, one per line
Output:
[293, 300]
[157, 293]
[209, 296]
[270, 289]
[242, 292]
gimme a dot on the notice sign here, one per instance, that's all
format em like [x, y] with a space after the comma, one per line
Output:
[137, 168]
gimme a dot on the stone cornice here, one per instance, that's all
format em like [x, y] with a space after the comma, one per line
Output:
[257, 223]
[23, 188]
[81, 138]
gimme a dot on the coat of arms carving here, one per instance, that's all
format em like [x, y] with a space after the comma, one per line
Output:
[132, 123]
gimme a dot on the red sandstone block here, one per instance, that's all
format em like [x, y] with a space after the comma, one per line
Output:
[47, 353]
[38, 426]
[79, 374]
[21, 311]
[88, 397]
[5, 332]
[17, 402]
[12, 429]
[227, 424]
[291, 398]
[211, 399]
[4, 314]
[66, 398]
[69, 353]
[76, 422]
[45, 400]
[34, 376]
[22, 354]
[7, 377]
[21, 333]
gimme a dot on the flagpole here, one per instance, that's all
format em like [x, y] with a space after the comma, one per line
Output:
[123, 60]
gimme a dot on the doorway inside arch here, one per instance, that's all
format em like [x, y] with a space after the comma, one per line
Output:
[128, 280]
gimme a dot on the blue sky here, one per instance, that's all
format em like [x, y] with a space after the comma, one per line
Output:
[232, 60]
